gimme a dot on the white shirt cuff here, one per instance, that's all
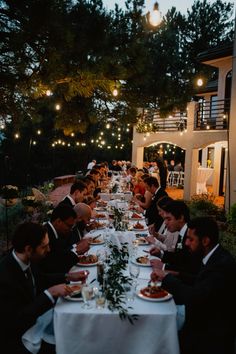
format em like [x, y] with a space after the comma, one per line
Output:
[46, 292]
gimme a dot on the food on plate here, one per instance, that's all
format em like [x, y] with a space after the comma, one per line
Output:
[76, 290]
[95, 240]
[153, 292]
[136, 216]
[138, 226]
[97, 225]
[142, 240]
[101, 202]
[100, 216]
[143, 260]
[89, 259]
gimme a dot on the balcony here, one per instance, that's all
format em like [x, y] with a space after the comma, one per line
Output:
[212, 115]
[151, 122]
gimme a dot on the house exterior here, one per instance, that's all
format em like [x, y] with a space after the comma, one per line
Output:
[208, 125]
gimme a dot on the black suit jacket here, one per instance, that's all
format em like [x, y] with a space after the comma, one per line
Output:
[182, 260]
[60, 259]
[210, 306]
[18, 309]
[66, 201]
[151, 214]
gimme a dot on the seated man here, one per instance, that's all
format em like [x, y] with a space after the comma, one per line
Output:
[62, 257]
[78, 191]
[176, 216]
[83, 212]
[210, 308]
[22, 290]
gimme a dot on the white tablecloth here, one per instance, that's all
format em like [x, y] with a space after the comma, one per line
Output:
[103, 332]
[203, 174]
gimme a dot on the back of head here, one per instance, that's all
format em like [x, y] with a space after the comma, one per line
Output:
[151, 181]
[28, 234]
[82, 209]
[205, 227]
[177, 208]
[163, 201]
[79, 185]
[63, 212]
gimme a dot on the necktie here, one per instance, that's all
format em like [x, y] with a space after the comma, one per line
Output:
[30, 281]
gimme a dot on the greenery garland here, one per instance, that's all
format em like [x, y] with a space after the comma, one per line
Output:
[115, 280]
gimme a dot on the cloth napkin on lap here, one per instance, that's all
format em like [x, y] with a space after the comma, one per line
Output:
[42, 330]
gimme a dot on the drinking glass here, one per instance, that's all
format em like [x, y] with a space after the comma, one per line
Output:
[87, 294]
[134, 270]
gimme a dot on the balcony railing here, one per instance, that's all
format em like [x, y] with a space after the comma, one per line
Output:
[212, 115]
[152, 122]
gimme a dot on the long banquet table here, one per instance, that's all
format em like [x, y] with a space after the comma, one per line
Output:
[101, 331]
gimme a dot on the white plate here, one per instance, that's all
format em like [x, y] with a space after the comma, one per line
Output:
[101, 209]
[86, 265]
[141, 264]
[96, 243]
[140, 230]
[160, 299]
[69, 298]
[142, 242]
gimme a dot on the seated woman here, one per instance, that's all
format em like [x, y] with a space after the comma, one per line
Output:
[145, 200]
[163, 239]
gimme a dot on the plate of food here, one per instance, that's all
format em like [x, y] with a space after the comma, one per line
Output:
[142, 241]
[153, 293]
[143, 261]
[88, 260]
[96, 241]
[98, 225]
[101, 216]
[138, 226]
[76, 293]
[136, 216]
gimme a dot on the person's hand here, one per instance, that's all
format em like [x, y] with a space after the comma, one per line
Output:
[156, 264]
[155, 251]
[82, 246]
[151, 229]
[78, 276]
[158, 275]
[151, 239]
[60, 290]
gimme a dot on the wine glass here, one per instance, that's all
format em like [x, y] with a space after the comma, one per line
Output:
[87, 294]
[134, 270]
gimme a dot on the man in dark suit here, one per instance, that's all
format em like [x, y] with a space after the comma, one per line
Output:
[176, 216]
[78, 191]
[62, 256]
[151, 214]
[209, 301]
[22, 289]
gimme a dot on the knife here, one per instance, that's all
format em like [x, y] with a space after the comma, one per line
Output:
[94, 238]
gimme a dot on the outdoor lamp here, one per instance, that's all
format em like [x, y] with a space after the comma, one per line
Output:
[154, 17]
[115, 92]
[199, 82]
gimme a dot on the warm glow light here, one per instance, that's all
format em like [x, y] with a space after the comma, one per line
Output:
[115, 92]
[17, 135]
[57, 107]
[199, 82]
[34, 142]
[72, 134]
[48, 93]
[39, 132]
[108, 126]
[155, 17]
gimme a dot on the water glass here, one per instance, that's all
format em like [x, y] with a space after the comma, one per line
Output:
[134, 270]
[87, 294]
[130, 291]
[100, 299]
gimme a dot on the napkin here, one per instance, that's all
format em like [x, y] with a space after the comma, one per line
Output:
[42, 330]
